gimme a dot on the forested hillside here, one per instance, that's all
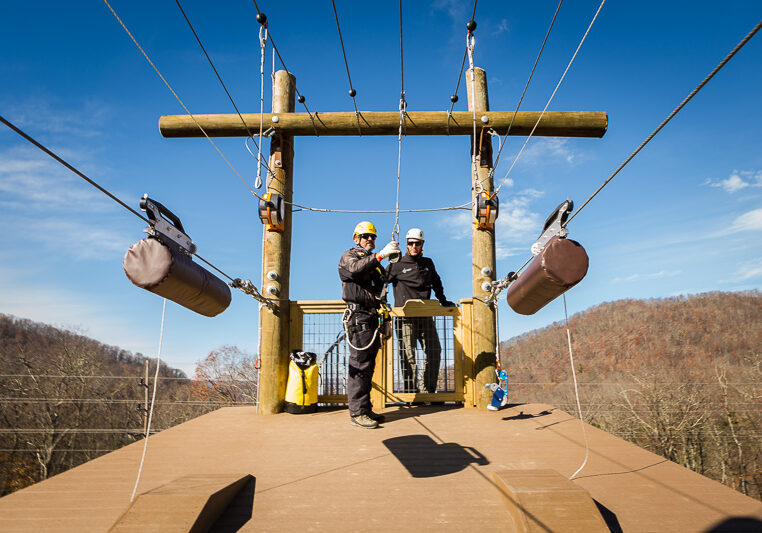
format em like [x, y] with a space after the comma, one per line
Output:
[67, 399]
[680, 376]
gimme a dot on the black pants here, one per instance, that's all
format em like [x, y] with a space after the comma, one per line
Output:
[362, 363]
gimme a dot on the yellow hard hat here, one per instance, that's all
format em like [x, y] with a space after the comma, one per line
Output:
[365, 227]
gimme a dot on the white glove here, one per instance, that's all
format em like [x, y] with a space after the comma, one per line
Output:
[389, 249]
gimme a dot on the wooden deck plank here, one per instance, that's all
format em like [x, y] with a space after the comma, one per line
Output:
[427, 468]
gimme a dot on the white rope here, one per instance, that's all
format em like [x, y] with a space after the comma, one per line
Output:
[153, 400]
[470, 44]
[576, 393]
[263, 48]
[396, 229]
[551, 98]
[345, 320]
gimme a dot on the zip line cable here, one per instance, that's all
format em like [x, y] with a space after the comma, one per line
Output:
[671, 115]
[248, 289]
[550, 99]
[465, 206]
[153, 399]
[537, 60]
[352, 92]
[211, 63]
[499, 285]
[300, 98]
[454, 97]
[77, 172]
[403, 113]
[179, 100]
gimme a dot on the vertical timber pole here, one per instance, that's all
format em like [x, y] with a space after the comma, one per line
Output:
[483, 250]
[276, 259]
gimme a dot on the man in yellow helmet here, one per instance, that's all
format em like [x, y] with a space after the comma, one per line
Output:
[362, 282]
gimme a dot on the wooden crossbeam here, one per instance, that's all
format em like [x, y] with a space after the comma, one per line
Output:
[553, 124]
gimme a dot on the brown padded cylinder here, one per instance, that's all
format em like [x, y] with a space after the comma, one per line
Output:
[166, 271]
[559, 267]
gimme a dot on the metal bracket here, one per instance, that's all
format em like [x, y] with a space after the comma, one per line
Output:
[553, 226]
[485, 148]
[276, 147]
[173, 231]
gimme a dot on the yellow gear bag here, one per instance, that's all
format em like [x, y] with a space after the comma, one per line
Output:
[302, 385]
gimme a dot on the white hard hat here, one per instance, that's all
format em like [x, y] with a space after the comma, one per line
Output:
[415, 233]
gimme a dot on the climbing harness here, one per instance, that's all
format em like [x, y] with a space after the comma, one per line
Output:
[163, 264]
[348, 329]
[384, 325]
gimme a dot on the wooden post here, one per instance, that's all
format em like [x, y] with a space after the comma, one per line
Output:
[276, 261]
[483, 249]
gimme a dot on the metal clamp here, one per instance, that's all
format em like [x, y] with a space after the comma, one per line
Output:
[554, 226]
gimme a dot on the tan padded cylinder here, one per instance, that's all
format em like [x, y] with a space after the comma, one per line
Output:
[559, 267]
[166, 271]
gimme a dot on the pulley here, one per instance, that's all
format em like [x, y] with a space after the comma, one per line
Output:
[559, 264]
[163, 264]
[485, 210]
[272, 211]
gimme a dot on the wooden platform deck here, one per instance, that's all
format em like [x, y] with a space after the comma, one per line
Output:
[427, 468]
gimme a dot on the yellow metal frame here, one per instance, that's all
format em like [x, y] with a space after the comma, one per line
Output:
[382, 391]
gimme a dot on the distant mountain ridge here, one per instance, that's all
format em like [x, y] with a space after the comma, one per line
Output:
[621, 336]
[41, 339]
[678, 376]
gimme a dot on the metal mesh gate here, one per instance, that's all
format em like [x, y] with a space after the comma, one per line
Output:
[424, 355]
[316, 327]
[323, 334]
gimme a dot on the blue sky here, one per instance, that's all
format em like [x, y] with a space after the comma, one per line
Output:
[683, 217]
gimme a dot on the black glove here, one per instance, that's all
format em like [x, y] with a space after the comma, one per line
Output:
[447, 303]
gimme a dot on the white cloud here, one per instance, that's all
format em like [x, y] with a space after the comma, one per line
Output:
[455, 9]
[650, 276]
[32, 181]
[78, 239]
[738, 180]
[502, 27]
[542, 150]
[749, 221]
[41, 113]
[516, 223]
[748, 270]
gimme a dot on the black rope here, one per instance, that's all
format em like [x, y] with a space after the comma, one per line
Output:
[301, 99]
[77, 172]
[94, 184]
[671, 115]
[352, 92]
[508, 131]
[220, 79]
[402, 67]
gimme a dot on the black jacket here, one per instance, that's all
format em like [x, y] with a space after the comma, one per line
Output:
[362, 278]
[414, 277]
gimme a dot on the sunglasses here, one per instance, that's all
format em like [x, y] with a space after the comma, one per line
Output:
[414, 243]
[368, 236]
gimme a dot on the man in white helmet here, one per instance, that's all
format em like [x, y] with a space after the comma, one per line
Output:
[414, 276]
[362, 282]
